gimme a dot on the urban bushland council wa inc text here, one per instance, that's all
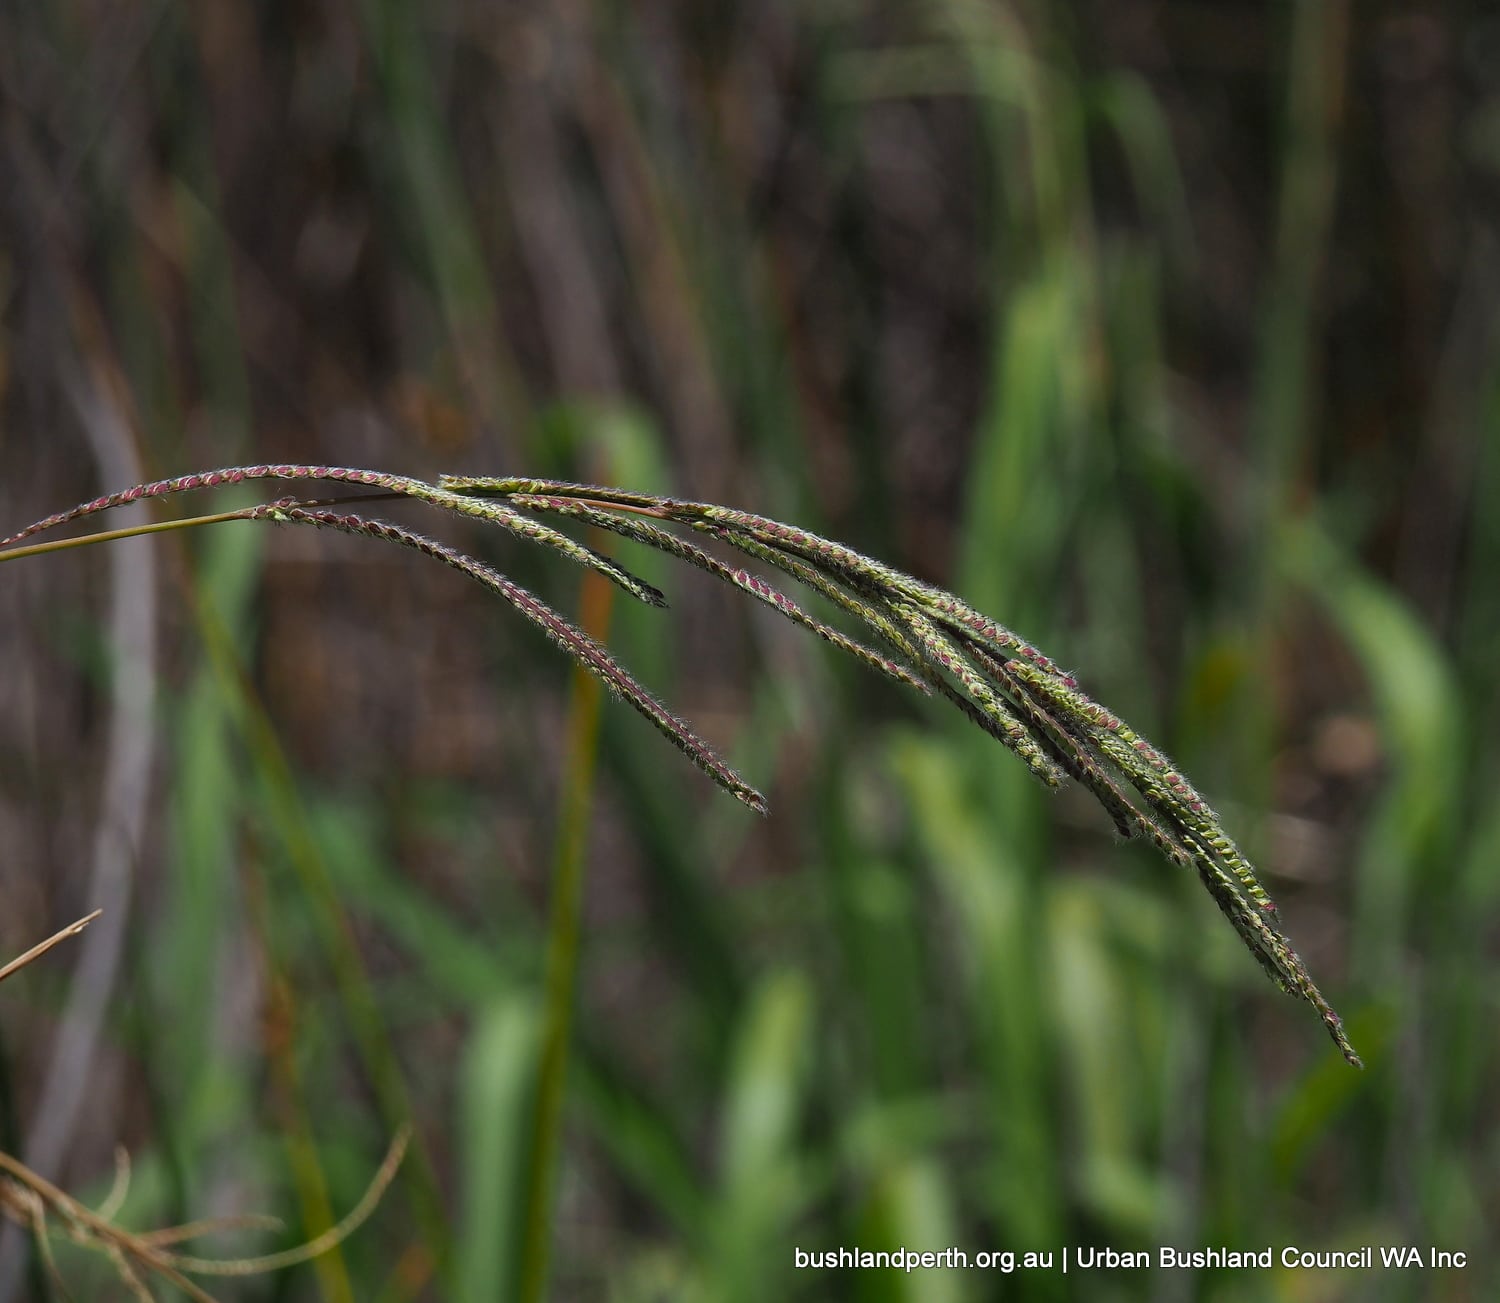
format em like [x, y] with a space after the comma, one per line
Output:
[1094, 1258]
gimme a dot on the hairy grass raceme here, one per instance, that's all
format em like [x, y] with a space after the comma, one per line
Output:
[924, 637]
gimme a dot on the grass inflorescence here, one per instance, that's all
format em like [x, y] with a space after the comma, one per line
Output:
[923, 636]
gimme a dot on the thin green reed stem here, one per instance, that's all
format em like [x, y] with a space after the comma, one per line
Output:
[289, 1091]
[562, 947]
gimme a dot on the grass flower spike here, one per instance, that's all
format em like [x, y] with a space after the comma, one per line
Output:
[918, 635]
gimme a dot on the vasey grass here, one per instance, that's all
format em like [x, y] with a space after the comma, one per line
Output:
[928, 639]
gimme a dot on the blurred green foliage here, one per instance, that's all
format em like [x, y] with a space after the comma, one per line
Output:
[1163, 331]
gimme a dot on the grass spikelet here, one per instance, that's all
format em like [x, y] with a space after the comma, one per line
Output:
[1065, 747]
[582, 649]
[845, 598]
[664, 540]
[485, 486]
[536, 531]
[1271, 948]
[936, 602]
[1145, 766]
[399, 485]
[945, 655]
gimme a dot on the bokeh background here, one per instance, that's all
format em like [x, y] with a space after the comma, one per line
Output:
[1165, 331]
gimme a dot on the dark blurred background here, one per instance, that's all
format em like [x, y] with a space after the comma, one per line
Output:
[1165, 331]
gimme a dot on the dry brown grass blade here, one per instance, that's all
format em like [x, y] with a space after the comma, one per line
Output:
[29, 1199]
[334, 1235]
[37, 951]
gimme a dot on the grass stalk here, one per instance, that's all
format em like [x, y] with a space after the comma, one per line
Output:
[289, 1095]
[367, 1025]
[563, 930]
[114, 535]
